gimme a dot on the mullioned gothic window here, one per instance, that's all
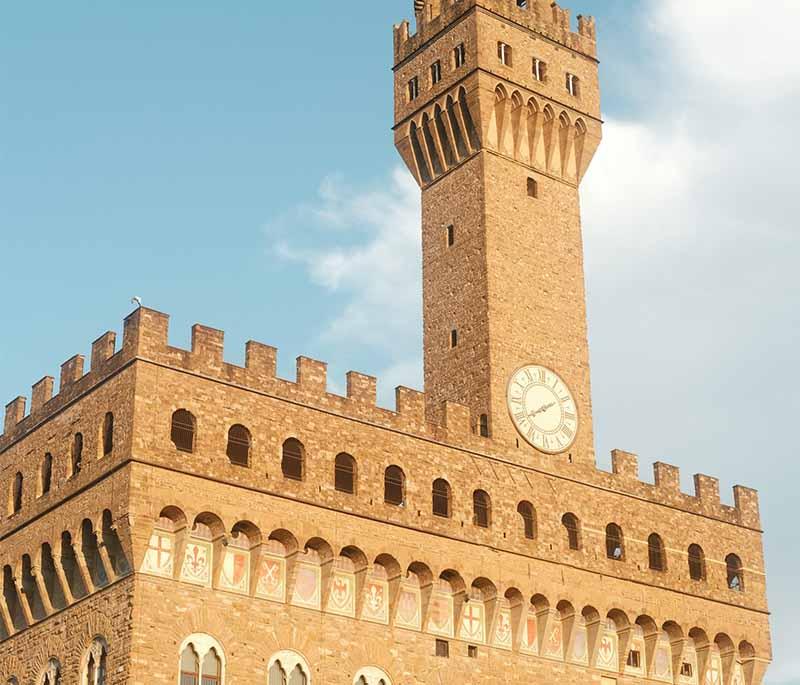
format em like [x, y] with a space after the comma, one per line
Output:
[371, 676]
[95, 666]
[202, 661]
[52, 673]
[288, 668]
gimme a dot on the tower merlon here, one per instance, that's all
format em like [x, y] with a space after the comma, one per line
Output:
[540, 16]
[71, 372]
[42, 392]
[15, 412]
[102, 350]
[625, 465]
[362, 389]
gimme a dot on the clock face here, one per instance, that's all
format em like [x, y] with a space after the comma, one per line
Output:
[543, 409]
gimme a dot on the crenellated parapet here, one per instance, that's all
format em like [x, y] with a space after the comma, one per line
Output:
[540, 16]
[145, 340]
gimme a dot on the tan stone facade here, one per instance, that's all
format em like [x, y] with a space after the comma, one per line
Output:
[155, 536]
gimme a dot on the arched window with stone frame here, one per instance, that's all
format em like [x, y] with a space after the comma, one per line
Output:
[697, 563]
[344, 474]
[735, 573]
[441, 498]
[528, 515]
[293, 460]
[15, 503]
[481, 509]
[46, 474]
[657, 556]
[572, 527]
[201, 661]
[183, 428]
[615, 547]
[107, 435]
[94, 666]
[394, 486]
[76, 456]
[239, 443]
[288, 667]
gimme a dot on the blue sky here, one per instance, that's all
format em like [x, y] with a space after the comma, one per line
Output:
[232, 164]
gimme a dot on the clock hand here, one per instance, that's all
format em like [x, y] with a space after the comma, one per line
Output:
[542, 409]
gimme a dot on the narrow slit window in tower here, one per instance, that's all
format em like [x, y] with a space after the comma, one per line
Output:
[459, 55]
[436, 72]
[413, 88]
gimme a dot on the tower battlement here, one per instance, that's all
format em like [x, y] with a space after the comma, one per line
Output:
[145, 339]
[540, 16]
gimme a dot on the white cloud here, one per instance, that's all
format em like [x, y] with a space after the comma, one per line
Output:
[379, 272]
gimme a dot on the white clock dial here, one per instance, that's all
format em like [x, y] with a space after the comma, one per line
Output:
[543, 409]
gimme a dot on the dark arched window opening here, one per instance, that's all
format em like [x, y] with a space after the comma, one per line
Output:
[47, 473]
[16, 494]
[441, 498]
[482, 509]
[697, 563]
[657, 556]
[570, 523]
[91, 555]
[69, 563]
[239, 445]
[735, 573]
[614, 546]
[394, 486]
[12, 599]
[525, 510]
[183, 430]
[483, 426]
[293, 459]
[108, 434]
[116, 553]
[52, 583]
[344, 474]
[77, 453]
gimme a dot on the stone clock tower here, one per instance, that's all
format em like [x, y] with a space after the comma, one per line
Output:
[497, 115]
